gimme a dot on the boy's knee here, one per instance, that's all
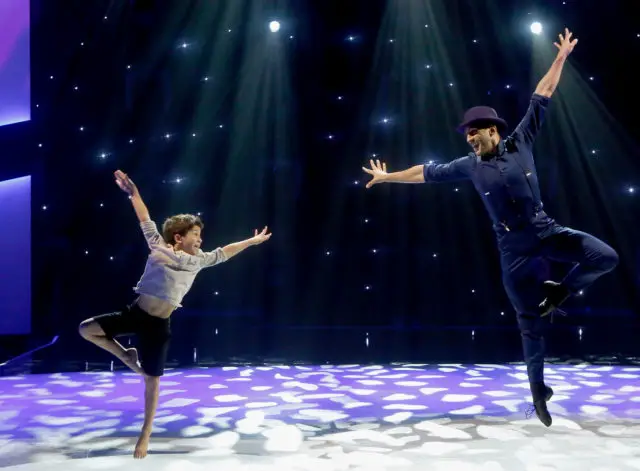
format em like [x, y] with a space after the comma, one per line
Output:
[90, 328]
[152, 381]
[83, 329]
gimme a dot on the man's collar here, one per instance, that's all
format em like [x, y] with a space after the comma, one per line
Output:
[499, 151]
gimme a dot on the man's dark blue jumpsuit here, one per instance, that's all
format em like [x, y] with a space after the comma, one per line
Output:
[507, 182]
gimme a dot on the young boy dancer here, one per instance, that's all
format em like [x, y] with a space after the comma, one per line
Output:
[174, 261]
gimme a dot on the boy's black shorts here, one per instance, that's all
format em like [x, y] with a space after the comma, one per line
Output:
[154, 334]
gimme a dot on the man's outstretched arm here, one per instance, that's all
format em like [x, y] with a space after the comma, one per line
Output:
[379, 173]
[549, 82]
[458, 169]
[530, 125]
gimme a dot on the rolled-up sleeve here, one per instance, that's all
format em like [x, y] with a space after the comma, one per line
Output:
[527, 130]
[459, 169]
[214, 257]
[151, 234]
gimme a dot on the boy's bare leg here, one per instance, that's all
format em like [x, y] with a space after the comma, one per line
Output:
[91, 331]
[151, 393]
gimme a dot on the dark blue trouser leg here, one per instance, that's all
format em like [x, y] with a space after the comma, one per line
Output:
[521, 276]
[591, 257]
[522, 282]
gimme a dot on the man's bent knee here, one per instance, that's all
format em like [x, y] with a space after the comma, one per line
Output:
[609, 259]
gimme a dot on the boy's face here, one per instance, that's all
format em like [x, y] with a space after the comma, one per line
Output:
[190, 242]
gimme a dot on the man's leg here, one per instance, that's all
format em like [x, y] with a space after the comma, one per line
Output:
[92, 330]
[591, 257]
[520, 276]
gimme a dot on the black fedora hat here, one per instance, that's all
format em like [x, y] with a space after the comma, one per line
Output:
[484, 115]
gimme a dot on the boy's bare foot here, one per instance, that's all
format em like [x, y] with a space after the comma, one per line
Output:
[142, 446]
[131, 360]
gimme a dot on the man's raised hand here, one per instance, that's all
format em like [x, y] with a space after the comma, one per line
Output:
[565, 45]
[378, 171]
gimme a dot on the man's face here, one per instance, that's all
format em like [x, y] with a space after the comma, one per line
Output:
[482, 140]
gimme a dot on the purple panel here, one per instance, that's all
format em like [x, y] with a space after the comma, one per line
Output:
[15, 256]
[15, 82]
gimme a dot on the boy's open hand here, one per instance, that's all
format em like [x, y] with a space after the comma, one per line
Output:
[125, 183]
[261, 237]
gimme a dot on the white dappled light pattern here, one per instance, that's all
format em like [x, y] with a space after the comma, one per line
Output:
[327, 417]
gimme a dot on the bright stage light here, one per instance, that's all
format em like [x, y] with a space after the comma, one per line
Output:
[536, 28]
[274, 26]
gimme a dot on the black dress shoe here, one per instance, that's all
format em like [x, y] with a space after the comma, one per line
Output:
[556, 294]
[542, 412]
[549, 394]
[540, 408]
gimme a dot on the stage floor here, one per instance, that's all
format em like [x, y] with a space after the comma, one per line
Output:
[328, 417]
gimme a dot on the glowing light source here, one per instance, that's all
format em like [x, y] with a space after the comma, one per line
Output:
[536, 28]
[274, 26]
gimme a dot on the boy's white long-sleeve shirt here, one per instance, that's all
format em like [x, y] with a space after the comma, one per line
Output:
[169, 274]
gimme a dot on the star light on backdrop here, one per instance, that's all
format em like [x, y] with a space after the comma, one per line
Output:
[399, 89]
[578, 128]
[240, 172]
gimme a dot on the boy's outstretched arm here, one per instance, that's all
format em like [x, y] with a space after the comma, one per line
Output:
[149, 229]
[237, 247]
[126, 184]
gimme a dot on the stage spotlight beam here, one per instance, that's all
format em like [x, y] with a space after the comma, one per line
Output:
[536, 28]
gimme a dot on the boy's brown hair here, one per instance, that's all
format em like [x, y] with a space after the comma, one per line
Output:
[179, 224]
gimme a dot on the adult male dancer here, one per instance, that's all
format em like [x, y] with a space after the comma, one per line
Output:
[504, 174]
